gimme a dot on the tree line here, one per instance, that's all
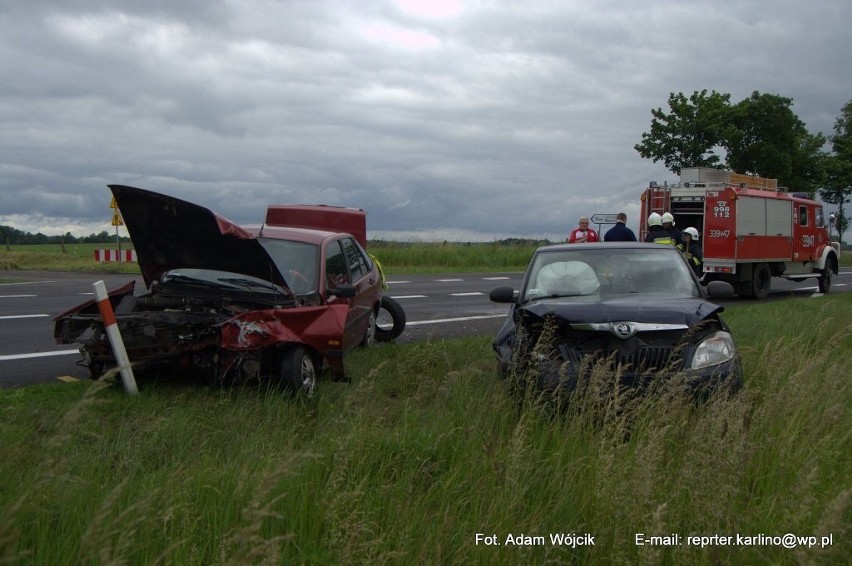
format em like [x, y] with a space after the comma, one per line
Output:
[13, 236]
[760, 135]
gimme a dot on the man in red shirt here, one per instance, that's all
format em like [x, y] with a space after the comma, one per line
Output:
[583, 233]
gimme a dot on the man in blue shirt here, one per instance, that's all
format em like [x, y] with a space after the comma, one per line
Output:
[620, 232]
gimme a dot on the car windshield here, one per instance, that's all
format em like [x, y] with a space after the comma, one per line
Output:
[298, 262]
[609, 271]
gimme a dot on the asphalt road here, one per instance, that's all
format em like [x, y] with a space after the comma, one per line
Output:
[436, 306]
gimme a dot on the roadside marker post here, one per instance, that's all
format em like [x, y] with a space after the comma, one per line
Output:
[114, 336]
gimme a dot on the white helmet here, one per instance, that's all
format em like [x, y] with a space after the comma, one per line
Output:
[692, 232]
[668, 218]
[655, 220]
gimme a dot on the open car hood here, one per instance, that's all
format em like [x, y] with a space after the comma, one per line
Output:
[663, 310]
[169, 233]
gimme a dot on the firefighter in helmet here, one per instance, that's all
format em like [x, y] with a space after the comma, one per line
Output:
[656, 233]
[677, 235]
[692, 251]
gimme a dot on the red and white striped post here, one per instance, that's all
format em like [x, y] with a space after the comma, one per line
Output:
[114, 336]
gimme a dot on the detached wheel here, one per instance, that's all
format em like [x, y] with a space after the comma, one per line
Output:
[297, 371]
[761, 281]
[391, 321]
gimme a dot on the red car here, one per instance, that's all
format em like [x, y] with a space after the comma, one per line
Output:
[235, 303]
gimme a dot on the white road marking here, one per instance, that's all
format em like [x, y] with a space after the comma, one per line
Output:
[408, 297]
[10, 317]
[460, 319]
[16, 296]
[25, 283]
[38, 355]
[397, 282]
[448, 280]
[495, 278]
[466, 294]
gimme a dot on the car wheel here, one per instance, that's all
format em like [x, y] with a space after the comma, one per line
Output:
[96, 370]
[298, 372]
[369, 338]
[761, 281]
[391, 321]
[824, 280]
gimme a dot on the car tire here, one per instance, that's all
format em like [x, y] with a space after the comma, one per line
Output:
[369, 338]
[297, 371]
[761, 281]
[96, 370]
[388, 333]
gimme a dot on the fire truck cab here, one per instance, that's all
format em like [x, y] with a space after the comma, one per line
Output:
[750, 229]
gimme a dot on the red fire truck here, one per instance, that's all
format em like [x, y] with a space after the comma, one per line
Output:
[750, 229]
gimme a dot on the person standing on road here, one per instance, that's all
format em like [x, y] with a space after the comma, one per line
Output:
[656, 233]
[676, 235]
[583, 233]
[620, 232]
[693, 253]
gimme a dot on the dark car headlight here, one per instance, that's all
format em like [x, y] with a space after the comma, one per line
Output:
[715, 349]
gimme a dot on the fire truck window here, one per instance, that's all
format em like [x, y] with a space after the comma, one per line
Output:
[803, 216]
[820, 219]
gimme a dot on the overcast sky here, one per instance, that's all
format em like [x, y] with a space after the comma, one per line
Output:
[441, 118]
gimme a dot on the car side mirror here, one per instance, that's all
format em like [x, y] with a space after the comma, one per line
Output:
[503, 294]
[344, 291]
[720, 290]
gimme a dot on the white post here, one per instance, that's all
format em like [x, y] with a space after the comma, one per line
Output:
[114, 336]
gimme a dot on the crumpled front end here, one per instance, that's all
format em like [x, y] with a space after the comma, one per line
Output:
[556, 355]
[220, 340]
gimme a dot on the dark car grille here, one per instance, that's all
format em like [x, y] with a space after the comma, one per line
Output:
[642, 353]
[644, 359]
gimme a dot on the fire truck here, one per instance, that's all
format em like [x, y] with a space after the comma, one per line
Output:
[750, 228]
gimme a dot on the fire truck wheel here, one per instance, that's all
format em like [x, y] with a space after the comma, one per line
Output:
[824, 280]
[761, 281]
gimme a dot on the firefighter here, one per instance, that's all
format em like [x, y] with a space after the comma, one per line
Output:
[693, 251]
[656, 233]
[677, 235]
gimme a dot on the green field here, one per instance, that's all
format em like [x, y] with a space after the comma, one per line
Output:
[396, 257]
[424, 451]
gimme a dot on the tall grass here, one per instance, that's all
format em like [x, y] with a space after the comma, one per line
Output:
[425, 449]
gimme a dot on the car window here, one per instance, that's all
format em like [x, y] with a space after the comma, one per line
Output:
[356, 259]
[298, 263]
[336, 272]
[590, 273]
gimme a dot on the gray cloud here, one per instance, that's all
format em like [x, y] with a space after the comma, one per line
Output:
[439, 117]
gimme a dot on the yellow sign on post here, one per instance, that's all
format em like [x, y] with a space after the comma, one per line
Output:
[116, 219]
[113, 204]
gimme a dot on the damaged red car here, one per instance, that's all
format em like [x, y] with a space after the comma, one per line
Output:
[276, 302]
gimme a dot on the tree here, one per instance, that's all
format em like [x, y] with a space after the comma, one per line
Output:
[764, 137]
[690, 134]
[838, 167]
[759, 135]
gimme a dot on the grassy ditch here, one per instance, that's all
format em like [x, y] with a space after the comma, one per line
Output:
[425, 450]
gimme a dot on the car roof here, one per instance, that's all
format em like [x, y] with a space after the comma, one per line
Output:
[307, 235]
[604, 245]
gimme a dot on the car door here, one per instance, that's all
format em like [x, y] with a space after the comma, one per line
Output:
[348, 264]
